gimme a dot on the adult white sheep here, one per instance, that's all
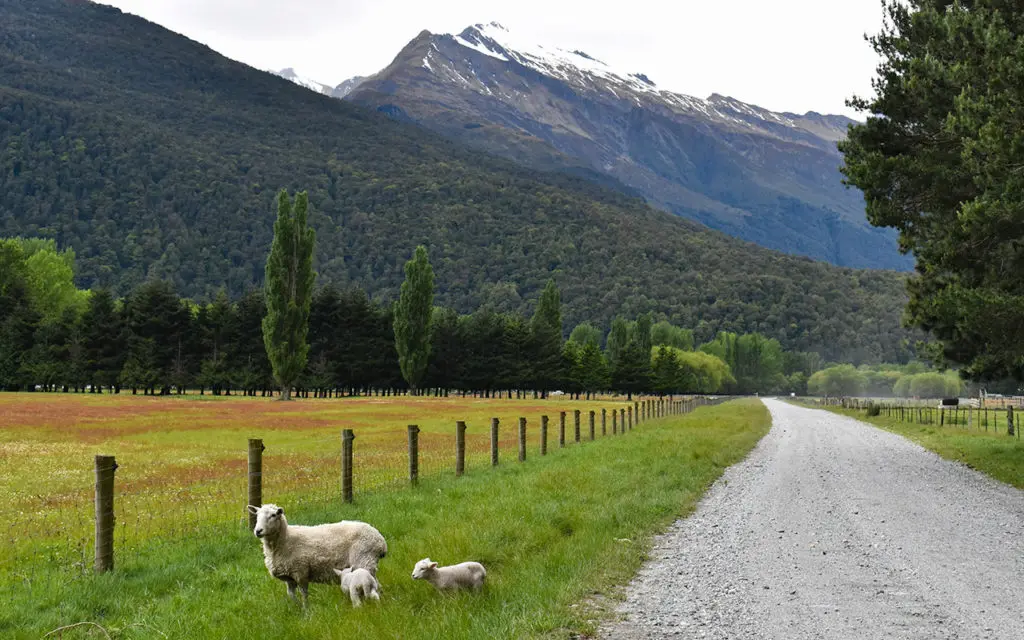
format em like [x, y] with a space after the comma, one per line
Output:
[465, 575]
[302, 554]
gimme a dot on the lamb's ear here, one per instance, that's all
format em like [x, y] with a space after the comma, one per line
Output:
[252, 509]
[433, 565]
[338, 571]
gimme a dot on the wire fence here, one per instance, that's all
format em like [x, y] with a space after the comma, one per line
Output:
[1004, 419]
[117, 510]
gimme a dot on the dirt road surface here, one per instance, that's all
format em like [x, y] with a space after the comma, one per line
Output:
[832, 528]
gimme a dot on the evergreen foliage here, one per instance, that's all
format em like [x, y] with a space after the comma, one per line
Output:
[412, 318]
[939, 159]
[546, 338]
[288, 286]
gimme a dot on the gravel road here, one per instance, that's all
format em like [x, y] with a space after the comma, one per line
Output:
[832, 528]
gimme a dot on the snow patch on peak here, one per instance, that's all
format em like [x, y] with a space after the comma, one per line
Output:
[571, 65]
[289, 73]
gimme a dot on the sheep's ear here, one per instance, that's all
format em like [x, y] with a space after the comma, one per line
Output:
[338, 571]
[433, 565]
[280, 511]
[252, 509]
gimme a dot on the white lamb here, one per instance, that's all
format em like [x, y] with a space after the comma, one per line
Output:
[303, 554]
[358, 584]
[466, 575]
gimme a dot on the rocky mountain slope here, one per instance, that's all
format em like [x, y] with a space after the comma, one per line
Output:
[771, 178]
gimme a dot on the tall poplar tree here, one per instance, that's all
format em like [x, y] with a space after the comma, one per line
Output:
[288, 288]
[412, 318]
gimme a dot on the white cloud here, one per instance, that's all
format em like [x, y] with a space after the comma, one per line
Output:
[788, 55]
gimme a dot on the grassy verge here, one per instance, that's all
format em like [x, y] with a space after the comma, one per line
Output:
[551, 532]
[997, 455]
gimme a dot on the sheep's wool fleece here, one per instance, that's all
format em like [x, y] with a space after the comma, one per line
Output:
[313, 552]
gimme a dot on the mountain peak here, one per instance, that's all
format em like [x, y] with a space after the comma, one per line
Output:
[289, 73]
[570, 65]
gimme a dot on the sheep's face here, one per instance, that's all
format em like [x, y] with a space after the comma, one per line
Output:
[422, 568]
[269, 518]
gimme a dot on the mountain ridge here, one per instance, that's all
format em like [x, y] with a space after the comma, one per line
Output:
[154, 157]
[767, 177]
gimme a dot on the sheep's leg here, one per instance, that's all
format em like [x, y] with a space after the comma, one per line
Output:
[375, 595]
[304, 588]
[291, 588]
[354, 594]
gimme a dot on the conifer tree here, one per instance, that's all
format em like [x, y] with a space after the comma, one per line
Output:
[288, 288]
[412, 318]
[546, 334]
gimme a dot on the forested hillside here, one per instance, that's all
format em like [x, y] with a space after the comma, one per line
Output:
[154, 157]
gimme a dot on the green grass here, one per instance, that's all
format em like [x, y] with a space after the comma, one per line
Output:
[553, 533]
[992, 453]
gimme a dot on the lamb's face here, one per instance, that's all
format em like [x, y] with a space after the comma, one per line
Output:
[422, 567]
[268, 521]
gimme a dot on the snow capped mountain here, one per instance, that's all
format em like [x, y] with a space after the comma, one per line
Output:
[768, 177]
[587, 73]
[340, 91]
[290, 74]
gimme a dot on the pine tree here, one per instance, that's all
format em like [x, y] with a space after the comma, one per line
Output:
[666, 374]
[103, 341]
[546, 335]
[288, 288]
[412, 318]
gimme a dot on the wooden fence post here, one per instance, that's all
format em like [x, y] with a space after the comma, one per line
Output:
[622, 420]
[460, 447]
[561, 429]
[104, 549]
[1009, 421]
[494, 442]
[592, 434]
[346, 464]
[615, 422]
[630, 412]
[543, 435]
[522, 439]
[576, 424]
[414, 454]
[256, 449]
[636, 414]
[604, 422]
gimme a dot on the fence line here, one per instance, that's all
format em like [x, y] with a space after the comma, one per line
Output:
[129, 515]
[981, 418]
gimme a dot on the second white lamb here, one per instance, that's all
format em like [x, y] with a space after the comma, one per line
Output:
[466, 575]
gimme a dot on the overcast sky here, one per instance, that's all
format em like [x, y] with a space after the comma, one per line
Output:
[786, 55]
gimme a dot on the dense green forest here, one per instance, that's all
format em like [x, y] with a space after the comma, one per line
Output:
[154, 158]
[56, 337]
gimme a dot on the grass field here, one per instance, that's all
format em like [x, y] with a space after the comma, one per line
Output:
[552, 532]
[991, 452]
[182, 460]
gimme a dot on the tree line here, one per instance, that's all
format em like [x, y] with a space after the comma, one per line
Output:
[163, 162]
[152, 341]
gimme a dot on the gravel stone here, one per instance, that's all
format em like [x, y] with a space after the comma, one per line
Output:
[832, 528]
